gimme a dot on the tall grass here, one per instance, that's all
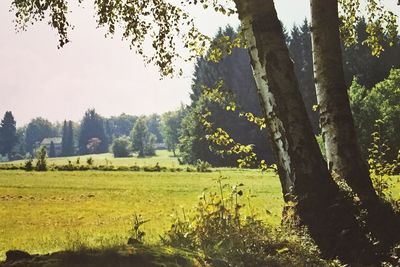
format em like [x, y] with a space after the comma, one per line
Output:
[46, 211]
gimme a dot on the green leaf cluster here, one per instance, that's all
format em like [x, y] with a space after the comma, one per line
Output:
[382, 25]
[382, 104]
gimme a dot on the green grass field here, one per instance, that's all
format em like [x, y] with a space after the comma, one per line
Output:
[42, 212]
[50, 211]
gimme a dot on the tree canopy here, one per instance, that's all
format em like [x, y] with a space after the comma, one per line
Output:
[142, 140]
[36, 131]
[92, 126]
[381, 103]
[171, 123]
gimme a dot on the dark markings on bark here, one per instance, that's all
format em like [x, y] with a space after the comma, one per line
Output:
[328, 215]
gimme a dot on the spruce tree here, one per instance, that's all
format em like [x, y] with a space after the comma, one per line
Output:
[67, 139]
[8, 133]
[52, 150]
[70, 139]
[299, 44]
[64, 141]
[235, 70]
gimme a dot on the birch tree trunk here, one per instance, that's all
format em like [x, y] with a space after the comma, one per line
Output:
[342, 149]
[337, 126]
[302, 169]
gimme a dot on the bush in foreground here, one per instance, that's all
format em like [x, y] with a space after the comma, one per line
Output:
[225, 237]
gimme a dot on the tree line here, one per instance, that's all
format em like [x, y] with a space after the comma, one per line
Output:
[93, 134]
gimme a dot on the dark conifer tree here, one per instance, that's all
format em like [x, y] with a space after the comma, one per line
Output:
[70, 139]
[235, 70]
[67, 139]
[8, 133]
[52, 150]
[64, 139]
[299, 44]
[359, 62]
[108, 131]
[67, 147]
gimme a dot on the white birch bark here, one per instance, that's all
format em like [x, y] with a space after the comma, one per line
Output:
[296, 149]
[337, 126]
[303, 172]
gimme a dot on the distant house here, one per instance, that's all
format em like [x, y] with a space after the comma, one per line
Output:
[57, 141]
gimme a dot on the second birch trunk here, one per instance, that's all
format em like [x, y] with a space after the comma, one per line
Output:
[302, 170]
[338, 131]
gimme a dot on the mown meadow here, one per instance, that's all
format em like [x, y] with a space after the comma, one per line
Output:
[49, 211]
[43, 212]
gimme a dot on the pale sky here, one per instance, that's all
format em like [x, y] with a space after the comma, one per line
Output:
[37, 79]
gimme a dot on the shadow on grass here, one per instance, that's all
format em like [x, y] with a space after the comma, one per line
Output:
[124, 256]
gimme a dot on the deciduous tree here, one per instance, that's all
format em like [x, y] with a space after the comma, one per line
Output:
[36, 131]
[342, 150]
[92, 126]
[171, 128]
[142, 140]
[121, 147]
[121, 125]
[153, 123]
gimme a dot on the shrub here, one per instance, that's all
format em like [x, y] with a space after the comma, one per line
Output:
[218, 230]
[29, 165]
[106, 168]
[203, 166]
[396, 165]
[172, 169]
[83, 168]
[41, 160]
[188, 169]
[378, 103]
[11, 167]
[71, 167]
[123, 168]
[155, 168]
[134, 168]
[381, 170]
[137, 234]
[89, 161]
[121, 147]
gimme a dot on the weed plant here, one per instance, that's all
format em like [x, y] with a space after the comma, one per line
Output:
[218, 229]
